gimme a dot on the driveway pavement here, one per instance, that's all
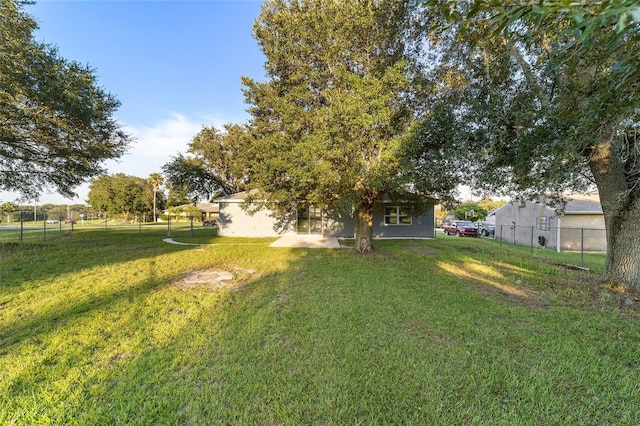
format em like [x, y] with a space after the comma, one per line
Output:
[309, 241]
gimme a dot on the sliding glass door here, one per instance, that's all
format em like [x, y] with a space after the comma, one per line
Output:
[309, 221]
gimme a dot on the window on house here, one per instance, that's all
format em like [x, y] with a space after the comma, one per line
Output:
[544, 223]
[394, 215]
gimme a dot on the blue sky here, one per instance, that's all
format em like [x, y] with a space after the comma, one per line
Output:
[174, 65]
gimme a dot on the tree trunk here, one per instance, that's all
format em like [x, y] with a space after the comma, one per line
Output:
[364, 226]
[155, 195]
[623, 251]
[621, 208]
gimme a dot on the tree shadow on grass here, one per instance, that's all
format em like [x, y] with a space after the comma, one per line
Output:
[129, 368]
[43, 286]
[322, 338]
[32, 325]
[39, 262]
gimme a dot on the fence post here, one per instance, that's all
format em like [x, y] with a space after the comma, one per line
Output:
[500, 245]
[532, 230]
[581, 246]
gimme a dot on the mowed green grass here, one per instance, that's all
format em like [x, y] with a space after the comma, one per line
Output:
[95, 328]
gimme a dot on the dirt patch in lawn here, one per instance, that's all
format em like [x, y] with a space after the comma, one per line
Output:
[424, 251]
[215, 278]
[607, 294]
[514, 293]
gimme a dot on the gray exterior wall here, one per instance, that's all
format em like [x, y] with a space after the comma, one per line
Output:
[422, 226]
[583, 232]
[235, 222]
[340, 225]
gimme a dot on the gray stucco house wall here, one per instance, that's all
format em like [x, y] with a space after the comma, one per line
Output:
[235, 221]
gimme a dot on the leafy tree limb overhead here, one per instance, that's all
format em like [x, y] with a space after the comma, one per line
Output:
[550, 97]
[56, 122]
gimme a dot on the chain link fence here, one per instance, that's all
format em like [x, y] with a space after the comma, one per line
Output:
[579, 241]
[557, 239]
[40, 225]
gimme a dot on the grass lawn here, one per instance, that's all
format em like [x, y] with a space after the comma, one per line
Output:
[99, 328]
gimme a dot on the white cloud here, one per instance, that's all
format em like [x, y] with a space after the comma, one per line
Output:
[155, 145]
[164, 138]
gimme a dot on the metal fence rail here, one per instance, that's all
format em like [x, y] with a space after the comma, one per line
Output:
[557, 239]
[46, 229]
[563, 240]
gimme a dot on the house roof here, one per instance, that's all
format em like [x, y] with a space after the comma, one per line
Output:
[583, 204]
[203, 207]
[577, 204]
[208, 207]
[493, 212]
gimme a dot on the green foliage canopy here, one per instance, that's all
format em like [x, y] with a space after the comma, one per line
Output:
[470, 211]
[6, 209]
[122, 194]
[56, 123]
[212, 166]
[332, 125]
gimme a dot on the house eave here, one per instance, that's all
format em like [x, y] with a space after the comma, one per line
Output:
[585, 212]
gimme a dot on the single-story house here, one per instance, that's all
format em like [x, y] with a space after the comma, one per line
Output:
[394, 222]
[580, 226]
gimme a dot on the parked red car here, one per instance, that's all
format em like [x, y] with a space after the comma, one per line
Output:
[461, 228]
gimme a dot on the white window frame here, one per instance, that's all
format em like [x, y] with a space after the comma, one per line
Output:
[544, 223]
[397, 214]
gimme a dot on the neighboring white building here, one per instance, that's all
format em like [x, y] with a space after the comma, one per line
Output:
[579, 227]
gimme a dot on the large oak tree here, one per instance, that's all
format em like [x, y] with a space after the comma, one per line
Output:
[212, 166]
[56, 122]
[333, 124]
[549, 94]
